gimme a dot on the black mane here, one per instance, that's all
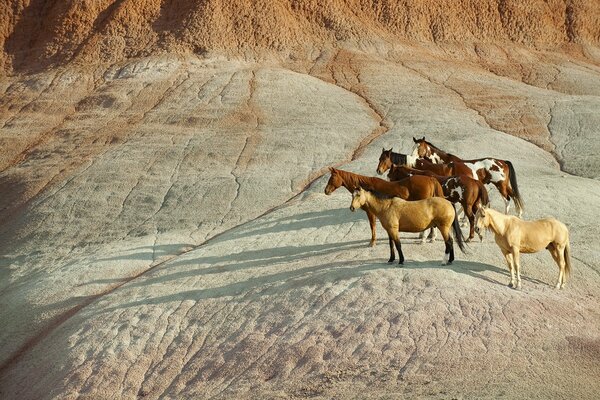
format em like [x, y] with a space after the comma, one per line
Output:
[398, 158]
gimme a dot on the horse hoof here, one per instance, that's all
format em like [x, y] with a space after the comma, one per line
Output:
[390, 261]
[510, 285]
[372, 244]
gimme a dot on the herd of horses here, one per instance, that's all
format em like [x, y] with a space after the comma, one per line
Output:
[421, 194]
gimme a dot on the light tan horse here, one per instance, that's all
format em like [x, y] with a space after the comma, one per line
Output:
[397, 215]
[515, 236]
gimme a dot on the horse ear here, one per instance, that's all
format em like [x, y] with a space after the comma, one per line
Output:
[331, 169]
[414, 140]
[423, 138]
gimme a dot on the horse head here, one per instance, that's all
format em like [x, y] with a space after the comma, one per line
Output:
[358, 199]
[482, 220]
[335, 181]
[422, 148]
[385, 161]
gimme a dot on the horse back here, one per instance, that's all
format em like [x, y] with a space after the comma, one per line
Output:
[536, 235]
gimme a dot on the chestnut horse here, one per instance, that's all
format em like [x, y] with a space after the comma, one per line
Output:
[470, 193]
[397, 215]
[500, 173]
[412, 188]
[515, 236]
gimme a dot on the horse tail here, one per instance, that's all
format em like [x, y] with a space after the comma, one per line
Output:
[460, 240]
[483, 194]
[438, 191]
[515, 189]
[567, 258]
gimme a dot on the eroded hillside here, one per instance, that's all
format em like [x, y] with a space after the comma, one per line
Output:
[163, 227]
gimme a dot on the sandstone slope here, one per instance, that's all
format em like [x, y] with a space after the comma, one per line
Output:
[163, 227]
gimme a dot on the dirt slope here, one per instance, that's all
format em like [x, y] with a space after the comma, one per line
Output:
[163, 227]
[37, 33]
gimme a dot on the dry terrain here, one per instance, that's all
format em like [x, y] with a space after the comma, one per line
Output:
[164, 231]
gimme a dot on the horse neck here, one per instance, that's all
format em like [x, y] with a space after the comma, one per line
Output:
[497, 221]
[442, 154]
[398, 158]
[352, 181]
[374, 204]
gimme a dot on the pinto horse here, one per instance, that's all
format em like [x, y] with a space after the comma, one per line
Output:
[397, 215]
[500, 173]
[470, 193]
[389, 159]
[515, 236]
[412, 188]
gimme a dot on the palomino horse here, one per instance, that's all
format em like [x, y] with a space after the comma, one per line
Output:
[501, 173]
[413, 188]
[470, 193]
[397, 215]
[515, 236]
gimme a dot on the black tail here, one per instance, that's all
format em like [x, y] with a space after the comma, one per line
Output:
[460, 240]
[515, 189]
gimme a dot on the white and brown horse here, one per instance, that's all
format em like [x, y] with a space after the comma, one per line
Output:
[500, 173]
[397, 215]
[515, 236]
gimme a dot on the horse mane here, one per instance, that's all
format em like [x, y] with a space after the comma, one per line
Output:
[357, 180]
[379, 195]
[398, 158]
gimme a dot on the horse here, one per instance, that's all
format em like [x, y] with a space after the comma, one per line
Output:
[397, 215]
[412, 188]
[500, 173]
[515, 236]
[470, 193]
[389, 159]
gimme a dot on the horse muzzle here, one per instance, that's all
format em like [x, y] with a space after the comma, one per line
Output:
[352, 208]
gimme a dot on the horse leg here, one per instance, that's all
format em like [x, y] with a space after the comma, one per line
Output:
[372, 220]
[509, 261]
[517, 264]
[449, 250]
[432, 235]
[558, 254]
[464, 217]
[392, 254]
[473, 212]
[503, 189]
[471, 217]
[396, 239]
[422, 237]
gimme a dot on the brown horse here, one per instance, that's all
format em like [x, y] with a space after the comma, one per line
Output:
[397, 215]
[389, 159]
[501, 173]
[470, 193]
[412, 188]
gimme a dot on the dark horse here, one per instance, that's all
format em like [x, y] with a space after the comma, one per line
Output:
[470, 193]
[500, 173]
[412, 188]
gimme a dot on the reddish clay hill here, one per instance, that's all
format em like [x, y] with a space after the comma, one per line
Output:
[37, 33]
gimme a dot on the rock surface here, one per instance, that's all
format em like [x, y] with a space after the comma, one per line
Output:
[163, 227]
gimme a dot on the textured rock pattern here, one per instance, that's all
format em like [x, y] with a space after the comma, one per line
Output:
[38, 32]
[163, 227]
